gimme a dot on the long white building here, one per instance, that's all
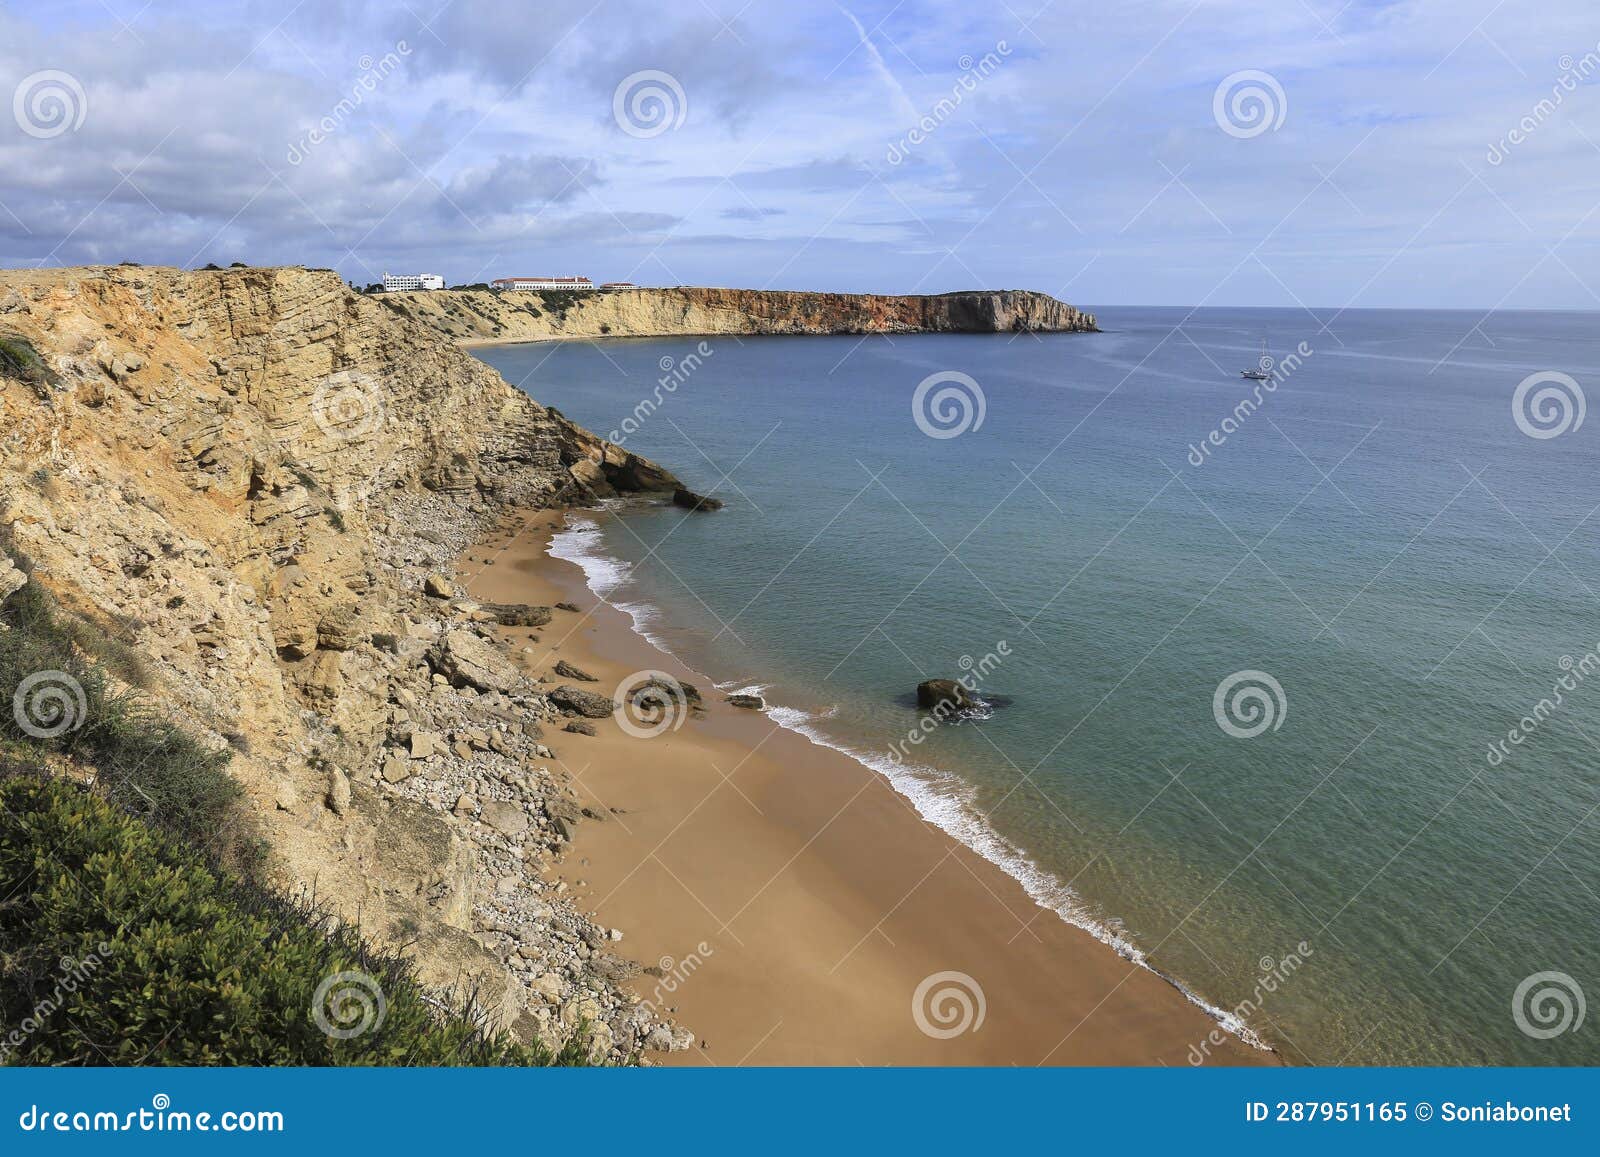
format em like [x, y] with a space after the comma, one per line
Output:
[519, 283]
[396, 283]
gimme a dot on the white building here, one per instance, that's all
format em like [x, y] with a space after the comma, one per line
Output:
[520, 283]
[396, 283]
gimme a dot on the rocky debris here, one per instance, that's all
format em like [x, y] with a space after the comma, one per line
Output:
[468, 660]
[689, 500]
[580, 702]
[753, 702]
[12, 580]
[438, 587]
[337, 795]
[567, 671]
[516, 614]
[578, 727]
[567, 607]
[946, 696]
[506, 818]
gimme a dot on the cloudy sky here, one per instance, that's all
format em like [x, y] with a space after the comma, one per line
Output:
[1224, 152]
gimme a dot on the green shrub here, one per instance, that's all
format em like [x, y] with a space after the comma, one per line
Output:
[116, 948]
[18, 359]
[145, 763]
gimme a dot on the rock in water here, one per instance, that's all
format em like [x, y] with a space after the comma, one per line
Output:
[753, 702]
[689, 500]
[944, 696]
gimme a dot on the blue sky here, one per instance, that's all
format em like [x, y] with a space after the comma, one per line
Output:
[1095, 151]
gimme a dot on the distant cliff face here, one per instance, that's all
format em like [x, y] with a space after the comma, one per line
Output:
[484, 316]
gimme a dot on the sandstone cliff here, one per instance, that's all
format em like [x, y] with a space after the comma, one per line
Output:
[246, 477]
[484, 316]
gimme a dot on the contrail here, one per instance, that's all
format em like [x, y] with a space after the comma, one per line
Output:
[881, 67]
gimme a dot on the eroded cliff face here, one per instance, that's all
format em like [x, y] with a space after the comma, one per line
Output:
[481, 315]
[247, 476]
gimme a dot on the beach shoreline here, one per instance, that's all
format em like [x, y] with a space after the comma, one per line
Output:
[792, 906]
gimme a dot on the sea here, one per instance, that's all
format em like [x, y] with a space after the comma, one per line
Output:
[1290, 688]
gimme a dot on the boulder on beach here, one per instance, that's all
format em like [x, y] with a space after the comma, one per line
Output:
[517, 614]
[567, 671]
[753, 702]
[944, 696]
[580, 702]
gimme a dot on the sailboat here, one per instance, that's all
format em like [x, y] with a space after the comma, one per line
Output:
[1263, 367]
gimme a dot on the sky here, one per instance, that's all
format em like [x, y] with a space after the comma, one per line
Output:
[1413, 153]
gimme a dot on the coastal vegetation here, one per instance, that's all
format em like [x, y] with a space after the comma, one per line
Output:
[137, 925]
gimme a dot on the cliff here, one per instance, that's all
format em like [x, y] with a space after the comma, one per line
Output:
[247, 479]
[485, 316]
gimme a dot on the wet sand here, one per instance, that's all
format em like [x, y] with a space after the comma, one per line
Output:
[793, 901]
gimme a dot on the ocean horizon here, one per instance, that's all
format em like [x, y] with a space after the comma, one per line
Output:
[1251, 649]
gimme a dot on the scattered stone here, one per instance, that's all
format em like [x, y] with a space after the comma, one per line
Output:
[753, 702]
[465, 660]
[12, 580]
[506, 818]
[396, 768]
[438, 587]
[573, 607]
[578, 727]
[338, 791]
[517, 614]
[426, 744]
[581, 702]
[567, 671]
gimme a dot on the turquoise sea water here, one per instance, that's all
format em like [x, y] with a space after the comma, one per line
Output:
[1378, 535]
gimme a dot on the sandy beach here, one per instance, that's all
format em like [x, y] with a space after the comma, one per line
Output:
[792, 901]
